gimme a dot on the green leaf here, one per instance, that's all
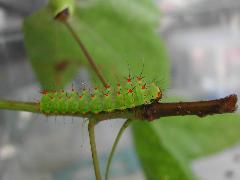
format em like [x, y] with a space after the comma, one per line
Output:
[158, 162]
[53, 57]
[191, 137]
[116, 33]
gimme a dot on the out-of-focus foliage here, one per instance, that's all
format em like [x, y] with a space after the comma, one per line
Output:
[116, 33]
[158, 162]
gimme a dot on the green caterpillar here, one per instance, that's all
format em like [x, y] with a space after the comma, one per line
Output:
[132, 93]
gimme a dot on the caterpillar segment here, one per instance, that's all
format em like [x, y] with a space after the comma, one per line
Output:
[110, 98]
[129, 98]
[141, 90]
[114, 98]
[119, 98]
[141, 93]
[59, 105]
[73, 103]
[84, 100]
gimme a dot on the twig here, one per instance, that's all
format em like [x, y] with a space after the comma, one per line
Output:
[119, 135]
[199, 108]
[91, 125]
[150, 112]
[19, 106]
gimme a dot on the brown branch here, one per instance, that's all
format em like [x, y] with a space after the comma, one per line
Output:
[63, 17]
[199, 108]
[156, 110]
[149, 112]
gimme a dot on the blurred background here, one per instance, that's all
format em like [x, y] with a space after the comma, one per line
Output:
[203, 41]
[202, 37]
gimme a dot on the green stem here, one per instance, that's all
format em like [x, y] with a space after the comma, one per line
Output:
[19, 106]
[91, 126]
[86, 53]
[119, 135]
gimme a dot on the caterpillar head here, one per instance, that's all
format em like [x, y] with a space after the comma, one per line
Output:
[156, 92]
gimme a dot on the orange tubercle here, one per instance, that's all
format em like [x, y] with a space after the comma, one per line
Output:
[139, 78]
[130, 91]
[129, 79]
[107, 86]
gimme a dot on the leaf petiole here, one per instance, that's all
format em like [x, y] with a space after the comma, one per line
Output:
[91, 125]
[119, 135]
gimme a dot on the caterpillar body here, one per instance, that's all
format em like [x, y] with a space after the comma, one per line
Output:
[134, 92]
